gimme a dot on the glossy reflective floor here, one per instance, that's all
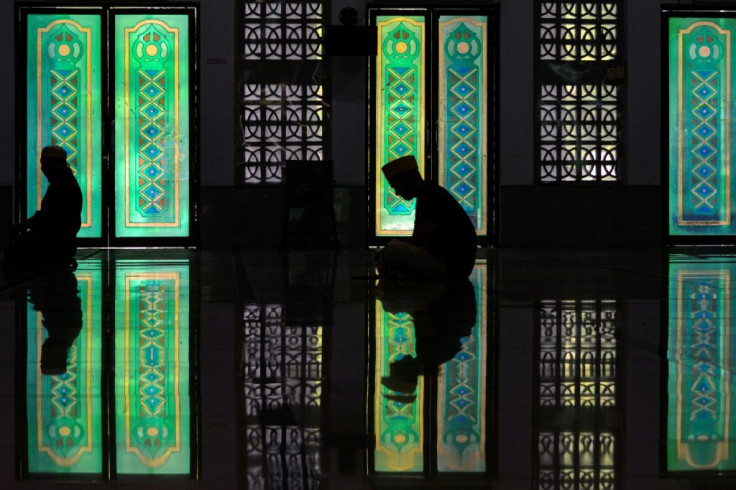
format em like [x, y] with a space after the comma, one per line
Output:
[299, 370]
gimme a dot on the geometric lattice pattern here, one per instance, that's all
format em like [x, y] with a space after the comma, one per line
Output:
[282, 112]
[463, 131]
[280, 122]
[580, 132]
[576, 460]
[700, 432]
[400, 121]
[700, 131]
[63, 87]
[579, 31]
[282, 381]
[277, 30]
[577, 390]
[577, 355]
[579, 118]
[704, 179]
[152, 176]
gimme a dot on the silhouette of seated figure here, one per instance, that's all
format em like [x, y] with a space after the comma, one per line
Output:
[48, 238]
[444, 312]
[56, 296]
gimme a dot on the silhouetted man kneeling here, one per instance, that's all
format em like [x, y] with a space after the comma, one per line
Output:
[443, 242]
[48, 238]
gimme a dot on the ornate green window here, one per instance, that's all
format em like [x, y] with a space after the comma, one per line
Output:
[699, 86]
[450, 134]
[458, 413]
[152, 121]
[149, 158]
[63, 100]
[700, 429]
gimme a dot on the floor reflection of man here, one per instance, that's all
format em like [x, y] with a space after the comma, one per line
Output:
[443, 313]
[56, 296]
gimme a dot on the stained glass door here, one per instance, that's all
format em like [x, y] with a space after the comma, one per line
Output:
[432, 85]
[64, 105]
[133, 157]
[699, 53]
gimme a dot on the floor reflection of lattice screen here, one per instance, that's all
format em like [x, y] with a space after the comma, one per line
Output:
[577, 383]
[282, 389]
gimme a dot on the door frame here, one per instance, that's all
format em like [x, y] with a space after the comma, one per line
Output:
[431, 14]
[107, 109]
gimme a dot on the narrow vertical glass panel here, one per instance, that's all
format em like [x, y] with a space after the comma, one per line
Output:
[63, 106]
[700, 428]
[400, 114]
[463, 113]
[398, 417]
[461, 397]
[63, 395]
[152, 403]
[152, 126]
[700, 127]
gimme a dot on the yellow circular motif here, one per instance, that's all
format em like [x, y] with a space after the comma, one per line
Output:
[461, 438]
[64, 50]
[64, 431]
[401, 47]
[399, 438]
[151, 50]
[463, 48]
[152, 432]
[704, 51]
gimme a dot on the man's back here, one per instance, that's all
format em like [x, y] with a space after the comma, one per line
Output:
[61, 208]
[452, 237]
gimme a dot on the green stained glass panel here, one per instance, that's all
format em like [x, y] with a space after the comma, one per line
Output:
[400, 114]
[152, 126]
[700, 354]
[700, 126]
[152, 403]
[64, 410]
[463, 113]
[398, 423]
[63, 84]
[461, 401]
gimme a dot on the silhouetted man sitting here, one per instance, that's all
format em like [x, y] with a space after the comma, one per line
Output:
[48, 238]
[443, 242]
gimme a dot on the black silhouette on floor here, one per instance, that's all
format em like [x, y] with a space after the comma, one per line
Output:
[444, 312]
